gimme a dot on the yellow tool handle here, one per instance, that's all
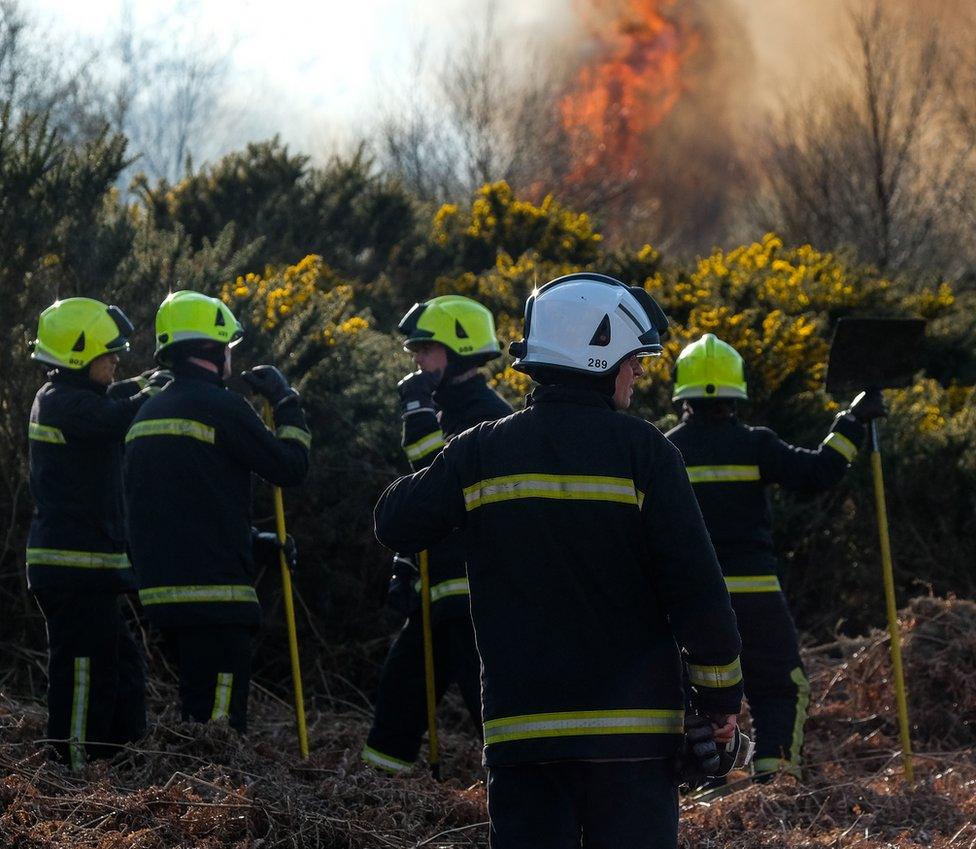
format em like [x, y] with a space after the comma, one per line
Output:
[296, 669]
[434, 755]
[889, 587]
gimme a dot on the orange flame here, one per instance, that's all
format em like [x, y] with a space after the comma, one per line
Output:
[630, 88]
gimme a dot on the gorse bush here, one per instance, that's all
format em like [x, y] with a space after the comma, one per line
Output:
[319, 264]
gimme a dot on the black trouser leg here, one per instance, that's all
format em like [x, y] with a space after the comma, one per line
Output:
[129, 718]
[632, 804]
[612, 805]
[774, 679]
[534, 806]
[401, 703]
[215, 672]
[86, 681]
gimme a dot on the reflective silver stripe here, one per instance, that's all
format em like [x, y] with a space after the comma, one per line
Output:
[45, 433]
[723, 474]
[296, 434]
[589, 722]
[387, 762]
[842, 445]
[78, 727]
[196, 594]
[221, 705]
[715, 676]
[752, 583]
[568, 487]
[422, 447]
[76, 559]
[171, 427]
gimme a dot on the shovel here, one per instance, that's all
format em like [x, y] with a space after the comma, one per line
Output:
[879, 353]
[433, 747]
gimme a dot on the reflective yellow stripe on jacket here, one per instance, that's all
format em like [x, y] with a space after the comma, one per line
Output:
[842, 445]
[425, 445]
[723, 474]
[715, 676]
[196, 594]
[171, 427]
[587, 722]
[752, 583]
[562, 487]
[76, 559]
[45, 433]
[296, 434]
[453, 587]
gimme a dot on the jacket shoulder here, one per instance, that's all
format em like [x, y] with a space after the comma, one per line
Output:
[758, 434]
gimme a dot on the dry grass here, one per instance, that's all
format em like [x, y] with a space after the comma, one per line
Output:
[203, 786]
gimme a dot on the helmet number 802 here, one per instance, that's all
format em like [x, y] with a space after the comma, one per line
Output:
[592, 363]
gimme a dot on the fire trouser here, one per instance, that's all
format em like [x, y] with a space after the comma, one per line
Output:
[215, 671]
[96, 675]
[595, 804]
[775, 683]
[401, 703]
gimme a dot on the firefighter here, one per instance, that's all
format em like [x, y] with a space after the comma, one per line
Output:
[589, 565]
[188, 462]
[731, 466]
[450, 338]
[77, 566]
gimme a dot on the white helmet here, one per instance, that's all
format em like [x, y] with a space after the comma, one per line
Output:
[588, 323]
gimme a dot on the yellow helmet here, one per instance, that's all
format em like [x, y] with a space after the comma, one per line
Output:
[73, 332]
[460, 324]
[185, 316]
[709, 368]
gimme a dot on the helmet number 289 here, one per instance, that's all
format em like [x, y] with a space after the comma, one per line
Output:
[592, 363]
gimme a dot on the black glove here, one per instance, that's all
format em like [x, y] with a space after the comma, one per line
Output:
[157, 381]
[270, 383]
[417, 391]
[402, 595]
[868, 405]
[266, 547]
[702, 758]
[700, 744]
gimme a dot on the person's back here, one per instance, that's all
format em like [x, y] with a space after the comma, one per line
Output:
[731, 467]
[189, 457]
[582, 663]
[188, 462]
[589, 568]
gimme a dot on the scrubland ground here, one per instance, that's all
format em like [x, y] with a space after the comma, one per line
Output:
[188, 785]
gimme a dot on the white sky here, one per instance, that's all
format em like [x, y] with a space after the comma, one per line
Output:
[312, 71]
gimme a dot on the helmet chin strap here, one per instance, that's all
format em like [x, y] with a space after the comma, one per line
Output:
[471, 372]
[456, 371]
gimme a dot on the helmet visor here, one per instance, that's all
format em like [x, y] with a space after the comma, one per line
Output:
[125, 328]
[408, 326]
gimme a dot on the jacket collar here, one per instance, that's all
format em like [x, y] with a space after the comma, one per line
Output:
[77, 378]
[456, 396]
[697, 420]
[559, 394]
[188, 370]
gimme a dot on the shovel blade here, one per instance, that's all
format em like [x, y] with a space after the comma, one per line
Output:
[873, 353]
